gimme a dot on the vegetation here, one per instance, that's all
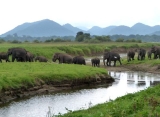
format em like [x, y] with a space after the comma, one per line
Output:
[141, 104]
[17, 74]
[81, 37]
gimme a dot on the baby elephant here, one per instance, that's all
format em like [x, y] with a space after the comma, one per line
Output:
[95, 62]
[4, 56]
[41, 59]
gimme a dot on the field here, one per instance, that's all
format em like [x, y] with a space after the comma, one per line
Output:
[17, 75]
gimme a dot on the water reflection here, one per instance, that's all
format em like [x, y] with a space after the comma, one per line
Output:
[125, 82]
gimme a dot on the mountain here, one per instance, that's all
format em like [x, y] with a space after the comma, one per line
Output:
[122, 30]
[48, 28]
[71, 28]
[95, 30]
[40, 28]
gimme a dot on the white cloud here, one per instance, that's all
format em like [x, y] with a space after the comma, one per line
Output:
[86, 13]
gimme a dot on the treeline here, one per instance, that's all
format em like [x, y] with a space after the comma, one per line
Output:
[82, 37]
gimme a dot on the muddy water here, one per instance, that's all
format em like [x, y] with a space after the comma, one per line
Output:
[38, 106]
[88, 60]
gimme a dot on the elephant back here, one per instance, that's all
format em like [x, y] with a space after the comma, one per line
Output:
[79, 60]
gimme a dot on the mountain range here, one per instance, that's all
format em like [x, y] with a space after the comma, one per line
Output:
[48, 27]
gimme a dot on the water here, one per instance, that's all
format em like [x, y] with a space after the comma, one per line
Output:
[88, 60]
[38, 106]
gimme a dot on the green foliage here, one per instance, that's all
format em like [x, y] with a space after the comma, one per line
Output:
[141, 104]
[17, 74]
[119, 40]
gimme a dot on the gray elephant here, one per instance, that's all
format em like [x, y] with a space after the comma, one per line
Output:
[4, 56]
[17, 53]
[62, 58]
[79, 60]
[130, 55]
[41, 59]
[95, 62]
[30, 57]
[149, 54]
[111, 56]
[141, 54]
[156, 51]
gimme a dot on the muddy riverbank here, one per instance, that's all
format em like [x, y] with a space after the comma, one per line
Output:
[42, 87]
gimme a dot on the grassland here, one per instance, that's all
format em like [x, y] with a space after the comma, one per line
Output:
[15, 75]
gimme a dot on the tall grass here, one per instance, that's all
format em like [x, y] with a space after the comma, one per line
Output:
[25, 74]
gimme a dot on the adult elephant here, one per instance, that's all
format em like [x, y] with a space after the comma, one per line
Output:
[95, 62]
[79, 60]
[30, 57]
[4, 56]
[41, 59]
[62, 58]
[17, 53]
[156, 51]
[130, 55]
[111, 56]
[141, 54]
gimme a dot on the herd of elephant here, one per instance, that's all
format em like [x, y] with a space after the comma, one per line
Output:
[22, 55]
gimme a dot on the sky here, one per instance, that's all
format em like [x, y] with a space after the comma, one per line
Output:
[79, 13]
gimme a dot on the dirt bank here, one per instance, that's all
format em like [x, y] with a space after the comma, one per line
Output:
[42, 87]
[136, 67]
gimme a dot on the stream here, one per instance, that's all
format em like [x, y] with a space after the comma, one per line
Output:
[63, 102]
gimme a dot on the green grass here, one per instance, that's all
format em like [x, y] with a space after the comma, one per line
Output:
[141, 104]
[25, 74]
[73, 48]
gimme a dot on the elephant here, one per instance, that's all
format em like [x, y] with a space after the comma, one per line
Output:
[130, 55]
[30, 57]
[4, 56]
[141, 54]
[149, 54]
[111, 56]
[156, 51]
[95, 62]
[41, 59]
[17, 53]
[62, 57]
[79, 60]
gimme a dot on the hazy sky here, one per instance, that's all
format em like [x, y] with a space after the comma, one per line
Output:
[86, 13]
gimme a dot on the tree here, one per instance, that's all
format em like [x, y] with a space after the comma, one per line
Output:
[79, 36]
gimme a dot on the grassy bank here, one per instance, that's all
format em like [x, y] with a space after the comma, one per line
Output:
[141, 104]
[16, 75]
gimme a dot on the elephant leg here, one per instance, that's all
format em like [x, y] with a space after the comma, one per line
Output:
[115, 63]
[13, 58]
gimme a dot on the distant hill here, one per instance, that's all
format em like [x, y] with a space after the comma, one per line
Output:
[71, 28]
[48, 28]
[40, 28]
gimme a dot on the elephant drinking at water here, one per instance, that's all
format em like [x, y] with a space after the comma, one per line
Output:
[111, 56]
[62, 57]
